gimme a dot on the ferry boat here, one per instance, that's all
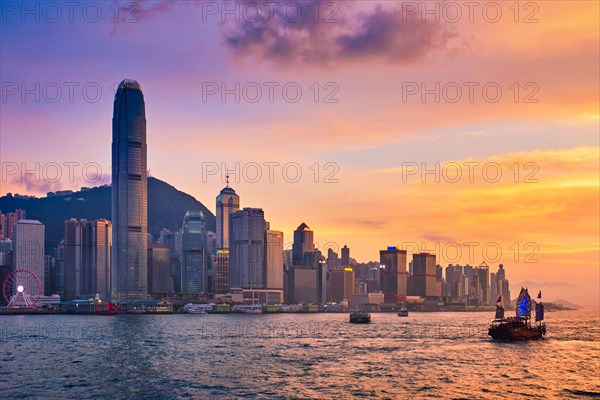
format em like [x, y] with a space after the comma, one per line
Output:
[247, 309]
[519, 328]
[190, 308]
[403, 312]
[359, 317]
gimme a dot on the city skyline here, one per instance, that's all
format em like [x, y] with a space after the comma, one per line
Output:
[361, 209]
[321, 199]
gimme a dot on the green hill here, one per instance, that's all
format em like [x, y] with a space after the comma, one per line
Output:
[166, 208]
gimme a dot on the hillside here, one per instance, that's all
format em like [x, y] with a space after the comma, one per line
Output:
[166, 208]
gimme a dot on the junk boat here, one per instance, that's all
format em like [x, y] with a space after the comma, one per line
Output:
[359, 317]
[519, 328]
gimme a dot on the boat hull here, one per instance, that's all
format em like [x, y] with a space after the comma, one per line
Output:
[360, 318]
[516, 333]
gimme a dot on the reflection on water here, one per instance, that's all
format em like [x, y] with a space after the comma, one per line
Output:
[428, 355]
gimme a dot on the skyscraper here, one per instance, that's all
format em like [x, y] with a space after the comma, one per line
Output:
[80, 259]
[103, 236]
[247, 249]
[129, 194]
[424, 275]
[333, 261]
[220, 264]
[194, 256]
[10, 220]
[173, 241]
[394, 275]
[160, 282]
[342, 284]
[454, 275]
[501, 274]
[303, 243]
[345, 256]
[3, 234]
[274, 260]
[228, 202]
[28, 247]
[483, 271]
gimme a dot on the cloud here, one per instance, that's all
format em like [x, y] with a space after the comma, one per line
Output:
[437, 237]
[562, 285]
[39, 185]
[383, 33]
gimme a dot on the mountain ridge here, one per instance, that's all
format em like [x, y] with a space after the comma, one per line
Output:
[166, 208]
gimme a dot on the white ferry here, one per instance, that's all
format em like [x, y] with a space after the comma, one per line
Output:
[197, 308]
[247, 309]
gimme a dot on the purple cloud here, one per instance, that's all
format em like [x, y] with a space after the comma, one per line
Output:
[383, 32]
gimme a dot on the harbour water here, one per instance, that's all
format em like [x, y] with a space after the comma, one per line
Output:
[427, 355]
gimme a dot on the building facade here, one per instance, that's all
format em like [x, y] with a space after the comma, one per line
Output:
[160, 282]
[194, 255]
[28, 247]
[393, 274]
[274, 259]
[424, 275]
[220, 267]
[247, 249]
[342, 284]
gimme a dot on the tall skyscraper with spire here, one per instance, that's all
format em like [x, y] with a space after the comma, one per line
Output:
[228, 202]
[129, 194]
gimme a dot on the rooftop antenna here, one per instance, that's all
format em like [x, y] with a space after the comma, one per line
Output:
[227, 180]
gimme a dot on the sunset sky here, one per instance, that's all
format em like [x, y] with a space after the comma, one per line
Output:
[366, 56]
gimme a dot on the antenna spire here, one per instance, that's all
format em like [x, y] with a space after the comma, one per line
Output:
[227, 179]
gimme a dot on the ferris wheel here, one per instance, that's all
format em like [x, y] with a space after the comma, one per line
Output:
[22, 288]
